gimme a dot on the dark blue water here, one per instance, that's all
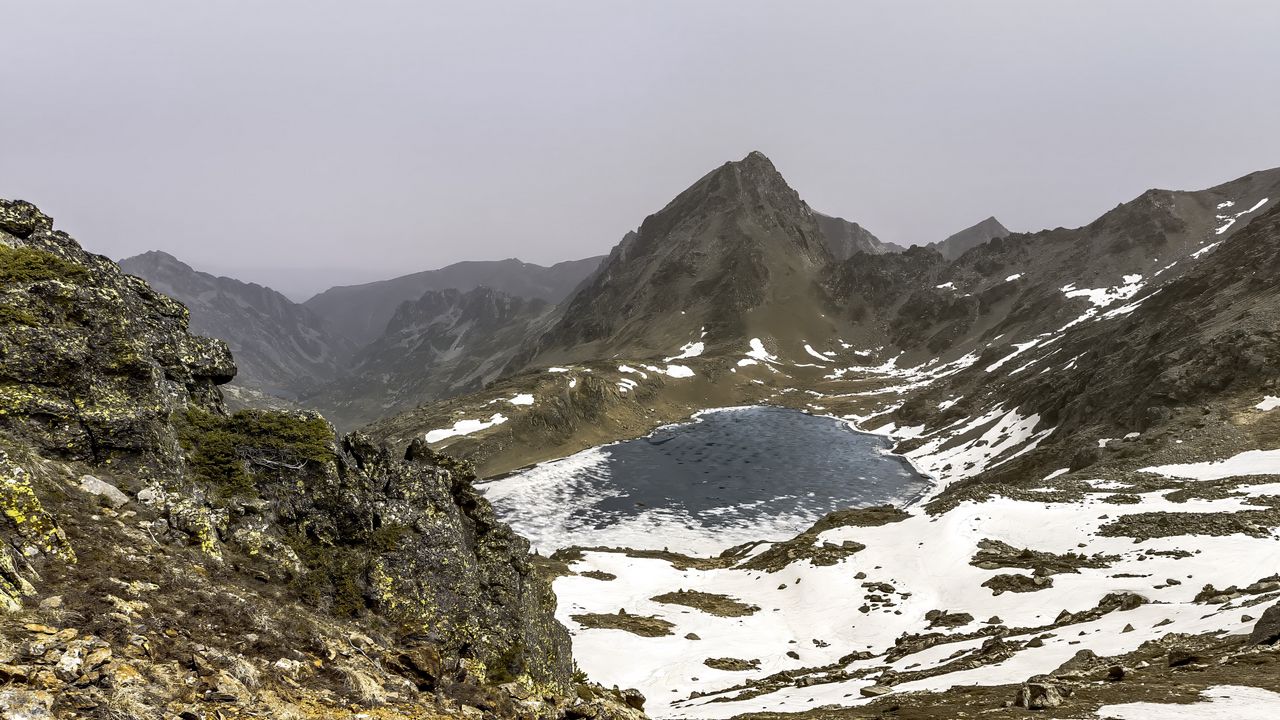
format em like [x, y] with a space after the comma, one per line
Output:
[729, 477]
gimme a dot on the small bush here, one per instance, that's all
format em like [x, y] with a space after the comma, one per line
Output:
[23, 266]
[218, 448]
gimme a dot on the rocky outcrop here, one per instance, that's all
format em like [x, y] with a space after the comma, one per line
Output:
[160, 556]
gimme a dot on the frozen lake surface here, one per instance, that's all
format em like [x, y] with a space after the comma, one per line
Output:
[727, 477]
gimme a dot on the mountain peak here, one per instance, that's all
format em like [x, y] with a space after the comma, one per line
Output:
[754, 169]
[737, 245]
[971, 237]
[755, 160]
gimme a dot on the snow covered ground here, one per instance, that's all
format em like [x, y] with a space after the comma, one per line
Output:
[817, 612]
[812, 618]
[1221, 702]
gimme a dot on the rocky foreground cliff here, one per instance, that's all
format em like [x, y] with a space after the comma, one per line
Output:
[162, 557]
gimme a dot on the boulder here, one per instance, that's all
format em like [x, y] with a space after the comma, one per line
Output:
[633, 699]
[1178, 657]
[875, 690]
[106, 491]
[1037, 696]
[1267, 630]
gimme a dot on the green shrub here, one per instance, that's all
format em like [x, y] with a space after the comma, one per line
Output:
[24, 265]
[216, 446]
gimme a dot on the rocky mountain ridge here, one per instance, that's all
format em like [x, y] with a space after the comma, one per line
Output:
[654, 337]
[160, 556]
[361, 312]
[971, 237]
[1103, 436]
[845, 237]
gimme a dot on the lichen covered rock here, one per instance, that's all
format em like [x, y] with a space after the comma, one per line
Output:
[161, 557]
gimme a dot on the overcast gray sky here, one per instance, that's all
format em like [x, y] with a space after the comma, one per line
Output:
[300, 143]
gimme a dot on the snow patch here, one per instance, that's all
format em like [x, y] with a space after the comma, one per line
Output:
[689, 350]
[758, 352]
[1250, 462]
[465, 427]
[1221, 702]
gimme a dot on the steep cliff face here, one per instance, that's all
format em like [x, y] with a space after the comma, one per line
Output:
[93, 361]
[161, 557]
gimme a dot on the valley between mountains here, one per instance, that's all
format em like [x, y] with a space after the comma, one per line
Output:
[994, 474]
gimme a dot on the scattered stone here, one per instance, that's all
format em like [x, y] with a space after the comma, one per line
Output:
[1018, 583]
[711, 603]
[1180, 657]
[875, 690]
[26, 704]
[1077, 665]
[150, 496]
[942, 618]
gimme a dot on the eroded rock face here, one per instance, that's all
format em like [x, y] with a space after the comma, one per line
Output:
[166, 557]
[92, 361]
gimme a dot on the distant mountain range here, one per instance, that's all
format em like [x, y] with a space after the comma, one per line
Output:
[736, 261]
[361, 312]
[362, 351]
[281, 347]
[735, 292]
[706, 266]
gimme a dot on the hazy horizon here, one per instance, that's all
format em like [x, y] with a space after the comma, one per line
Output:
[293, 144]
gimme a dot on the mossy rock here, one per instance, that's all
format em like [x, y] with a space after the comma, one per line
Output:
[25, 266]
